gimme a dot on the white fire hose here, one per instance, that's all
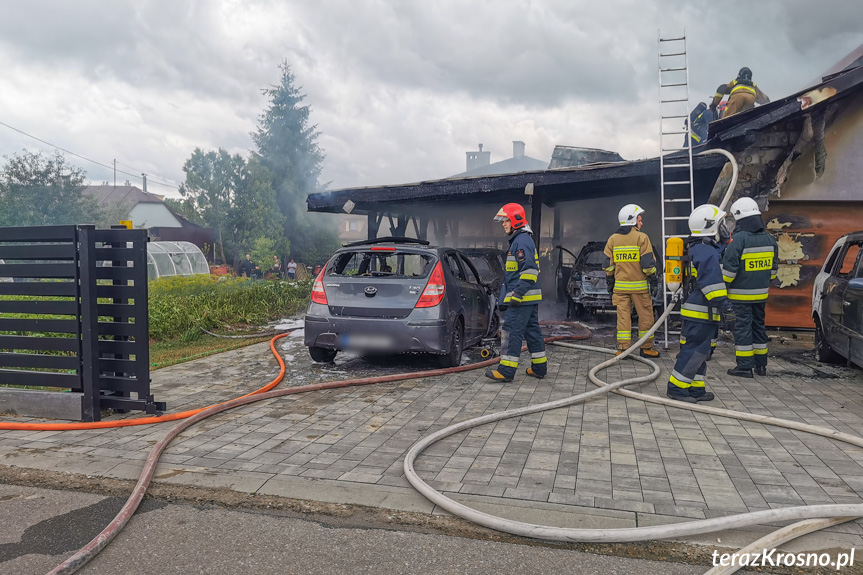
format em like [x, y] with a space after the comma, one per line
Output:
[734, 171]
[816, 516]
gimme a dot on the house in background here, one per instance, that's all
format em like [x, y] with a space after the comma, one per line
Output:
[353, 227]
[479, 163]
[146, 210]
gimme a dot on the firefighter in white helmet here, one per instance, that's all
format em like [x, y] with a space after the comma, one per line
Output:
[749, 264]
[628, 261]
[704, 307]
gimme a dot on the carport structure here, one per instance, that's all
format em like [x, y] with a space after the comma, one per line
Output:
[566, 206]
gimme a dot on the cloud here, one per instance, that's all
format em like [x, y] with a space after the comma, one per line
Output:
[399, 89]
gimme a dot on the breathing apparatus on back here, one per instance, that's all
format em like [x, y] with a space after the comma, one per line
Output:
[706, 224]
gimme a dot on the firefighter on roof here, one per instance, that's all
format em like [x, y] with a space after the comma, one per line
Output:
[701, 311]
[750, 262]
[628, 261]
[742, 92]
[519, 299]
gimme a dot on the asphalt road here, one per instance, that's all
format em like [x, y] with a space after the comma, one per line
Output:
[42, 527]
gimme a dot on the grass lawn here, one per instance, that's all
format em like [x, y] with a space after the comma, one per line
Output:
[172, 352]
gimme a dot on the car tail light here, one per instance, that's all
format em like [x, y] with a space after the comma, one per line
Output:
[318, 293]
[435, 289]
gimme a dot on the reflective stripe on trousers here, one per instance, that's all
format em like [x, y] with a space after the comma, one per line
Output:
[644, 306]
[521, 322]
[750, 335]
[688, 376]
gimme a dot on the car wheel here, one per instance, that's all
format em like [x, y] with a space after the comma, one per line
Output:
[453, 357]
[322, 354]
[823, 352]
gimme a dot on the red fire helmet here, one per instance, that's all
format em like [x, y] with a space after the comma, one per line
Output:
[514, 213]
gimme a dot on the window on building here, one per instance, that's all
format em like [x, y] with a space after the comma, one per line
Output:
[353, 225]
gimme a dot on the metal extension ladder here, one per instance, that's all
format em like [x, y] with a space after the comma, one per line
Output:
[675, 171]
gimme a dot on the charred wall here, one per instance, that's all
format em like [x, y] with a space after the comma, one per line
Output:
[805, 232]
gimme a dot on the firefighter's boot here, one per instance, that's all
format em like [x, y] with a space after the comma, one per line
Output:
[532, 373]
[681, 397]
[741, 372]
[497, 376]
[650, 353]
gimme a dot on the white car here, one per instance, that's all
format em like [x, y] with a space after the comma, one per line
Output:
[837, 302]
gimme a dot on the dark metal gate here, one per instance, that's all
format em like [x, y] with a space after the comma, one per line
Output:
[73, 314]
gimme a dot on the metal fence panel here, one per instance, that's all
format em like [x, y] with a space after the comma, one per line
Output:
[93, 336]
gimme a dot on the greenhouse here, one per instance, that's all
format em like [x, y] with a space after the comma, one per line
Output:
[166, 259]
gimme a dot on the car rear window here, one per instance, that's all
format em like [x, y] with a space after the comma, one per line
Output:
[380, 263]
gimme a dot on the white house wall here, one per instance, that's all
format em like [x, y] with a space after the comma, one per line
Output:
[153, 216]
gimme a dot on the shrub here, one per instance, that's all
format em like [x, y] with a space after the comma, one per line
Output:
[181, 305]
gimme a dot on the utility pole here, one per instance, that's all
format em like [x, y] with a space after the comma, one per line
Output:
[115, 172]
[144, 177]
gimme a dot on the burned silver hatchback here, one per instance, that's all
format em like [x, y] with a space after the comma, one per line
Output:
[396, 295]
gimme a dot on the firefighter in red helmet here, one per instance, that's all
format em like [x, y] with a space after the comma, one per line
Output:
[519, 299]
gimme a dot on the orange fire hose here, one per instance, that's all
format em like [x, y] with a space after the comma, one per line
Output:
[9, 425]
[86, 553]
[142, 420]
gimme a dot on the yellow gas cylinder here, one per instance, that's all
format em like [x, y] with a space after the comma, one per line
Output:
[673, 263]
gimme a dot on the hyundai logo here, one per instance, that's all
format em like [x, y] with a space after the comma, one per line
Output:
[370, 291]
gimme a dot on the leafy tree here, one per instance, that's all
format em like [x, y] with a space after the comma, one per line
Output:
[40, 190]
[254, 212]
[262, 252]
[287, 144]
[235, 197]
[210, 181]
[110, 214]
[185, 207]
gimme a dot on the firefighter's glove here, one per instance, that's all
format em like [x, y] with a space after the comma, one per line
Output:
[728, 317]
[503, 306]
[516, 299]
[609, 282]
[724, 233]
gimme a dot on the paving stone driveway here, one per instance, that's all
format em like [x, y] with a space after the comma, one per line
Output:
[611, 453]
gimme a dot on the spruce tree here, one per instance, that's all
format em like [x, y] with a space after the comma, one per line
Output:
[287, 143]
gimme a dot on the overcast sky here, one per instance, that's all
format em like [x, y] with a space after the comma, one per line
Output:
[399, 89]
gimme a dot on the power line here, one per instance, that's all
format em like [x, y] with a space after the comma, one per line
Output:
[84, 157]
[149, 179]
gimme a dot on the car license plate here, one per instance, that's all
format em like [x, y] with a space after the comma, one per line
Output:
[371, 342]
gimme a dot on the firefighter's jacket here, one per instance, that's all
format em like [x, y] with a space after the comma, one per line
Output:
[628, 256]
[750, 262]
[706, 289]
[734, 87]
[521, 278]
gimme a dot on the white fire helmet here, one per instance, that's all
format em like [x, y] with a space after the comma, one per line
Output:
[705, 220]
[743, 208]
[628, 214]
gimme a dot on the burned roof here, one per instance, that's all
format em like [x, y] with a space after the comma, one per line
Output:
[834, 88]
[557, 185]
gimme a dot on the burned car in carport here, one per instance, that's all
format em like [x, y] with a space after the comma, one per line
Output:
[587, 288]
[394, 295]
